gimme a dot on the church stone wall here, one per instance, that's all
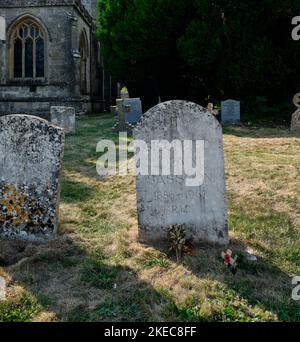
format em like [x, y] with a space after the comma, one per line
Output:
[64, 21]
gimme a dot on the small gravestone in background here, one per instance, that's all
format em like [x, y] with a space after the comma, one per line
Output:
[129, 111]
[295, 124]
[2, 29]
[31, 151]
[135, 110]
[121, 110]
[166, 200]
[230, 112]
[63, 117]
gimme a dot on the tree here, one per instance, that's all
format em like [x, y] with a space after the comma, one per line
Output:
[189, 49]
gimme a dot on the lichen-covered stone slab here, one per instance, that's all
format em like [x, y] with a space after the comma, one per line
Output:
[31, 152]
[295, 124]
[163, 201]
[64, 117]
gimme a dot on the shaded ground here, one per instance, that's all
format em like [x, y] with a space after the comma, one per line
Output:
[97, 270]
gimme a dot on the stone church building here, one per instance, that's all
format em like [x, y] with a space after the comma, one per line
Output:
[49, 55]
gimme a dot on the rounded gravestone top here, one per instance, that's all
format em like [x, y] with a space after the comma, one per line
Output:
[191, 115]
[31, 152]
[170, 198]
[296, 100]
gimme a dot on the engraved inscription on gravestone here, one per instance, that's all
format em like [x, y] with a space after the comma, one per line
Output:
[31, 152]
[165, 200]
[230, 112]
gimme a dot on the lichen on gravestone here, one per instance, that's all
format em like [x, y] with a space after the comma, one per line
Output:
[31, 152]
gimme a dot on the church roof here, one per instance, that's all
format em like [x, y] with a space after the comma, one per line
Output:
[45, 3]
[30, 3]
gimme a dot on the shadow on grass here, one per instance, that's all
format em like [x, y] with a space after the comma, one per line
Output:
[74, 284]
[259, 283]
[66, 283]
[62, 281]
[75, 191]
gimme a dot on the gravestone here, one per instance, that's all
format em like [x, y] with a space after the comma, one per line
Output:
[2, 288]
[63, 117]
[31, 151]
[2, 29]
[164, 200]
[230, 112]
[121, 115]
[135, 112]
[295, 123]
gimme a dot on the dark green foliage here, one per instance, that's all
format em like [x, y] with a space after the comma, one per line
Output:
[190, 49]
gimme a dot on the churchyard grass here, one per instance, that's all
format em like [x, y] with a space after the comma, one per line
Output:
[98, 271]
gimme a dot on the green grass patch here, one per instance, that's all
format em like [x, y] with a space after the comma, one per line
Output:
[22, 308]
[99, 275]
[99, 216]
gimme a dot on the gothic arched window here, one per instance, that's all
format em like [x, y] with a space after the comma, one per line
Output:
[28, 46]
[84, 54]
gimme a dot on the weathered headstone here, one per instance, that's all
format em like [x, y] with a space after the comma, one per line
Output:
[295, 123]
[2, 288]
[164, 200]
[230, 112]
[135, 110]
[31, 151]
[2, 28]
[63, 117]
[121, 115]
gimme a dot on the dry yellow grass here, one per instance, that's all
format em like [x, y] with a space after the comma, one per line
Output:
[98, 271]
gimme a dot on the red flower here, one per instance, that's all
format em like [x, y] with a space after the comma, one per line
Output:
[227, 259]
